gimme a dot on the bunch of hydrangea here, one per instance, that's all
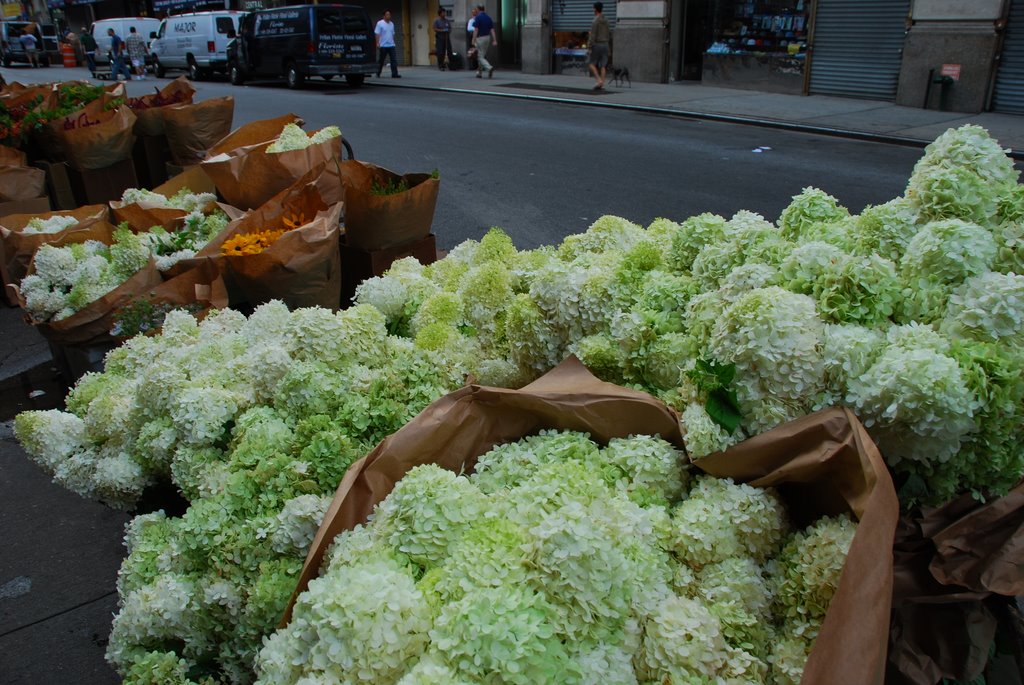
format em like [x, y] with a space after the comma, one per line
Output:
[294, 138]
[258, 442]
[55, 224]
[550, 563]
[964, 174]
[66, 279]
[184, 199]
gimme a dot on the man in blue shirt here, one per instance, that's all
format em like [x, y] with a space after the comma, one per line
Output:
[385, 31]
[483, 37]
[117, 64]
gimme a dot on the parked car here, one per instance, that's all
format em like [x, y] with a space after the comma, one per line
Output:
[47, 42]
[196, 42]
[143, 26]
[302, 41]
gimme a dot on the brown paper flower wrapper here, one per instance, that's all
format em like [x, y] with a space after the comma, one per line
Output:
[202, 284]
[150, 121]
[249, 176]
[10, 156]
[254, 133]
[94, 137]
[21, 183]
[193, 129]
[303, 267]
[374, 222]
[950, 563]
[141, 216]
[91, 325]
[17, 247]
[821, 464]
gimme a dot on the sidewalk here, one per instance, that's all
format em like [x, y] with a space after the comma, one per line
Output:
[836, 116]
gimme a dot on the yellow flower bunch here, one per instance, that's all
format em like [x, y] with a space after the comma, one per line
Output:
[258, 241]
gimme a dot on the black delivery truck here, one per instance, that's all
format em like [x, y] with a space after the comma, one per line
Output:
[300, 41]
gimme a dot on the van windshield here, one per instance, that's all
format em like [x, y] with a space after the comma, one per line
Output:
[335, 21]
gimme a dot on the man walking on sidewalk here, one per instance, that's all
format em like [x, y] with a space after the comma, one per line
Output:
[385, 31]
[117, 65]
[483, 38]
[599, 43]
[136, 47]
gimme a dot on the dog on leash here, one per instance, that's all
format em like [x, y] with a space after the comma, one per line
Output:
[619, 75]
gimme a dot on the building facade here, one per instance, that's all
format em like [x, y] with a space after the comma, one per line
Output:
[949, 54]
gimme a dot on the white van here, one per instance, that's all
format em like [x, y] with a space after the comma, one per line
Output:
[195, 42]
[143, 26]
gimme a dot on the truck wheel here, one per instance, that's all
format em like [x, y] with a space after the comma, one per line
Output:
[355, 80]
[236, 76]
[158, 68]
[194, 72]
[293, 77]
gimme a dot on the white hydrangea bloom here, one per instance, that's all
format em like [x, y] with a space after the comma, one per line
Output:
[916, 404]
[682, 642]
[702, 435]
[988, 307]
[298, 522]
[55, 224]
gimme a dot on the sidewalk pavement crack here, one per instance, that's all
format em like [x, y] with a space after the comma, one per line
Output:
[57, 614]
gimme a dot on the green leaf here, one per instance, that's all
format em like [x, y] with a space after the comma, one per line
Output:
[723, 408]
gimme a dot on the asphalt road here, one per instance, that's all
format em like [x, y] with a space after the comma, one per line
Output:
[542, 171]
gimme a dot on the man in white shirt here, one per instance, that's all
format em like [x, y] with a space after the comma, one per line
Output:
[470, 50]
[385, 32]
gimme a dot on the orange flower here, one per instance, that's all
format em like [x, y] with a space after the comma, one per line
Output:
[250, 243]
[258, 241]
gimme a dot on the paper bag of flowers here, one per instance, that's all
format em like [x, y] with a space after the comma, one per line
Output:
[383, 208]
[21, 183]
[196, 292]
[22, 234]
[73, 106]
[557, 534]
[97, 136]
[254, 133]
[248, 176]
[149, 109]
[10, 156]
[72, 289]
[166, 204]
[193, 129]
[286, 250]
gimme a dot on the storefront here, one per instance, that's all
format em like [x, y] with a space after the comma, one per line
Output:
[1008, 89]
[570, 24]
[758, 44]
[858, 48]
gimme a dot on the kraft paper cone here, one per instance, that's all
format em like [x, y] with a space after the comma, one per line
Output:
[141, 216]
[374, 222]
[203, 285]
[21, 183]
[149, 109]
[247, 177]
[829, 451]
[17, 247]
[91, 325]
[193, 129]
[254, 133]
[10, 156]
[95, 138]
[951, 563]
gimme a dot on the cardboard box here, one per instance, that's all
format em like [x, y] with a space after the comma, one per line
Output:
[96, 186]
[358, 265]
[58, 184]
[151, 155]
